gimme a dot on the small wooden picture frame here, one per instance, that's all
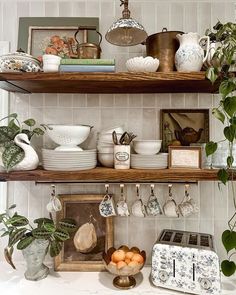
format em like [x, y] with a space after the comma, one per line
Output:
[185, 157]
[81, 208]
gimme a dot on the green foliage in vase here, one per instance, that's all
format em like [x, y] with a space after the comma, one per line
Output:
[220, 72]
[21, 233]
[11, 153]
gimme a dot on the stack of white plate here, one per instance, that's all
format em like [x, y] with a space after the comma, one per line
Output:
[69, 160]
[159, 161]
[105, 145]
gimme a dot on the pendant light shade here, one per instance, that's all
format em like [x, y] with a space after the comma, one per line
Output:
[126, 31]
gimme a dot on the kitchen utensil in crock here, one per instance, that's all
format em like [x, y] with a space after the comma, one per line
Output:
[163, 45]
[170, 207]
[121, 206]
[153, 207]
[86, 49]
[106, 207]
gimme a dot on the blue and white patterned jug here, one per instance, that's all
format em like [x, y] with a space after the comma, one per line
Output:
[190, 55]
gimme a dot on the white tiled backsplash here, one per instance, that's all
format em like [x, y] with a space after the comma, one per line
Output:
[139, 113]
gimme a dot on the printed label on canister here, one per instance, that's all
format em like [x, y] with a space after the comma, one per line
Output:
[122, 156]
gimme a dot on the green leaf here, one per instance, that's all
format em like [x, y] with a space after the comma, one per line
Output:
[61, 235]
[12, 156]
[229, 132]
[41, 233]
[212, 74]
[24, 243]
[8, 256]
[55, 248]
[6, 134]
[229, 105]
[230, 160]
[68, 224]
[223, 176]
[13, 126]
[228, 268]
[226, 87]
[16, 236]
[30, 122]
[38, 131]
[229, 240]
[13, 206]
[41, 221]
[6, 233]
[28, 133]
[218, 114]
[50, 227]
[211, 147]
[18, 220]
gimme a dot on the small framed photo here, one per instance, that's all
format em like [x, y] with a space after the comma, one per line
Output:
[185, 157]
[54, 35]
[184, 127]
[85, 210]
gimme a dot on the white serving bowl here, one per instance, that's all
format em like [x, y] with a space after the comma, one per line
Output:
[106, 159]
[69, 137]
[142, 64]
[147, 147]
[105, 149]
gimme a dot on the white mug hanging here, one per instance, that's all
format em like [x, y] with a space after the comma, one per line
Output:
[187, 206]
[170, 207]
[54, 204]
[121, 206]
[138, 208]
[106, 207]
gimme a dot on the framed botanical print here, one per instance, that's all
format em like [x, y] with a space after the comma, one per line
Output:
[78, 253]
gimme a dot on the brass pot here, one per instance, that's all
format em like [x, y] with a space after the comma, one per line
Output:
[163, 46]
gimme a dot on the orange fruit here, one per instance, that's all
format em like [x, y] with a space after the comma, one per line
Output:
[135, 250]
[129, 255]
[118, 255]
[124, 248]
[133, 264]
[121, 264]
[127, 260]
[138, 258]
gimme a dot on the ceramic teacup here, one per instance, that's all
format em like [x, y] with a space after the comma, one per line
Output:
[54, 204]
[170, 207]
[153, 207]
[106, 207]
[122, 208]
[187, 206]
[138, 209]
[51, 63]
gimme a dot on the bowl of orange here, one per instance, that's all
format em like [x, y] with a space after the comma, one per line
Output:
[124, 262]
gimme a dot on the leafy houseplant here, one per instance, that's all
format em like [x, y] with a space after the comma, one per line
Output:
[223, 60]
[21, 233]
[12, 154]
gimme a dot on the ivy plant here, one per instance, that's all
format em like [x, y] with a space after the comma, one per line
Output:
[220, 72]
[21, 233]
[12, 154]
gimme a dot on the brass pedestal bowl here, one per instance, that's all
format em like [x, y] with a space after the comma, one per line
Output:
[124, 265]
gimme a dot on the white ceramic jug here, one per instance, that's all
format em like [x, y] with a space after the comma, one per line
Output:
[190, 55]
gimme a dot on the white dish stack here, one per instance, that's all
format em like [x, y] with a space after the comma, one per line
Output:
[105, 146]
[148, 156]
[69, 160]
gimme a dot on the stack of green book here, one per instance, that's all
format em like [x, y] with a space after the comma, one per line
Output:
[87, 65]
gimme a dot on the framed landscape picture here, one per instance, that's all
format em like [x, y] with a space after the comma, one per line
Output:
[54, 35]
[84, 209]
[183, 127]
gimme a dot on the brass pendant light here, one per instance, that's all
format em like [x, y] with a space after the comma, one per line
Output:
[126, 31]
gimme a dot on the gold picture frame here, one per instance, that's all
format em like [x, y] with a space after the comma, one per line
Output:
[185, 157]
[81, 208]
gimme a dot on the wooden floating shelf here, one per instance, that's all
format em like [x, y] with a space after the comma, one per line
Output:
[158, 82]
[101, 174]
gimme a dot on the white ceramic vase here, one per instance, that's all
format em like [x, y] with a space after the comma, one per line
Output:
[190, 55]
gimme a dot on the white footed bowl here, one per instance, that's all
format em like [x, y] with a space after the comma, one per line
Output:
[106, 159]
[147, 147]
[68, 137]
[142, 64]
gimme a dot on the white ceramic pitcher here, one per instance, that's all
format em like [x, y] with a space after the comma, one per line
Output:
[190, 55]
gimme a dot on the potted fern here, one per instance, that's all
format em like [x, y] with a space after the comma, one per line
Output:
[223, 61]
[35, 241]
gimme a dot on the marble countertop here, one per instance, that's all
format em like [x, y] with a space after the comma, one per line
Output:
[12, 282]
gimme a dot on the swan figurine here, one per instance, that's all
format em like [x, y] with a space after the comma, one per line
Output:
[31, 160]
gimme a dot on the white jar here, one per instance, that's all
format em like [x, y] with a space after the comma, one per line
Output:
[122, 156]
[51, 63]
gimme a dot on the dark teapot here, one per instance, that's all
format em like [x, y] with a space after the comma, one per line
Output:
[188, 135]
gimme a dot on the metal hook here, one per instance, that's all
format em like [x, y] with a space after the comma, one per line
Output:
[106, 188]
[137, 189]
[122, 190]
[186, 190]
[170, 189]
[53, 193]
[152, 188]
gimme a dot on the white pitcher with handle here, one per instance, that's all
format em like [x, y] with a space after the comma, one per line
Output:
[190, 55]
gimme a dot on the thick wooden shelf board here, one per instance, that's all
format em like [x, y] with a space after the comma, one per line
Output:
[100, 174]
[158, 82]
